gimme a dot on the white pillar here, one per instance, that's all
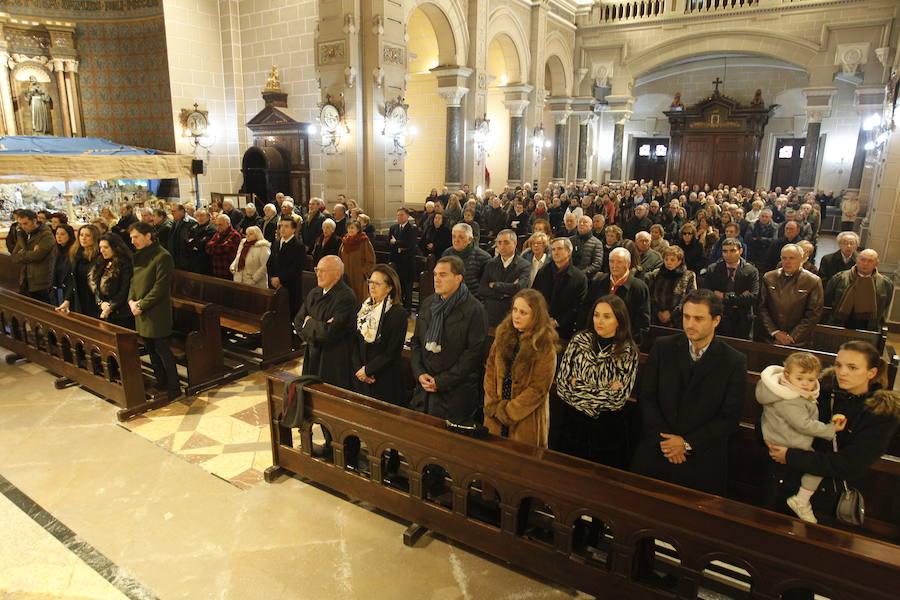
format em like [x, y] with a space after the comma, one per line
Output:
[6, 103]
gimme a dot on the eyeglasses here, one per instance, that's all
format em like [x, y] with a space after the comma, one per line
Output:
[376, 282]
[688, 233]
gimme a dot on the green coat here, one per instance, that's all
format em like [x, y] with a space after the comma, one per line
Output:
[33, 253]
[151, 286]
[837, 287]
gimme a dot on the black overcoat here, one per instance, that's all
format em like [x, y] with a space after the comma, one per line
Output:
[329, 334]
[382, 358]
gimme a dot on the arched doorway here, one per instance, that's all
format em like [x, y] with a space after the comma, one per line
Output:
[264, 173]
[503, 69]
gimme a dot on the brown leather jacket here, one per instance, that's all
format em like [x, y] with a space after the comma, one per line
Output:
[790, 304]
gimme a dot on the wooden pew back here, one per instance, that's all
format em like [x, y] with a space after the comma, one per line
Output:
[569, 520]
[9, 272]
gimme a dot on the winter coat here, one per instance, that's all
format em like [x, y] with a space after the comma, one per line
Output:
[527, 412]
[329, 334]
[788, 419]
[667, 292]
[33, 251]
[254, 272]
[474, 258]
[790, 304]
[358, 265]
[594, 372]
[838, 286]
[110, 282]
[151, 285]
[507, 282]
[587, 254]
[382, 358]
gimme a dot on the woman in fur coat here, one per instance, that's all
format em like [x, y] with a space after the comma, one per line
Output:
[519, 372]
[249, 265]
[110, 278]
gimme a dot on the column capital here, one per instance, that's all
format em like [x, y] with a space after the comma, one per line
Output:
[818, 102]
[584, 117]
[559, 104]
[516, 108]
[453, 95]
[868, 99]
[515, 98]
[452, 75]
[583, 104]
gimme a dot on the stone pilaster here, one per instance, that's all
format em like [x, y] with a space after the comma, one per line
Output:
[818, 107]
[560, 108]
[58, 68]
[450, 88]
[534, 115]
[620, 111]
[6, 103]
[515, 98]
[868, 100]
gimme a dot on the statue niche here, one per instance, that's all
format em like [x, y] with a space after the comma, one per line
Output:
[35, 101]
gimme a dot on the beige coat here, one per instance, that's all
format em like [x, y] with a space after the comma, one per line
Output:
[254, 271]
[527, 414]
[358, 265]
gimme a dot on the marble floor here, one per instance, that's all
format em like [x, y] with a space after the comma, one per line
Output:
[171, 506]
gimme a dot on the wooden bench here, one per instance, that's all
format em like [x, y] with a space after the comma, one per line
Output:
[253, 318]
[102, 357]
[581, 524]
[9, 272]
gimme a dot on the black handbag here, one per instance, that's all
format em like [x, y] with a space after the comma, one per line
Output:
[851, 507]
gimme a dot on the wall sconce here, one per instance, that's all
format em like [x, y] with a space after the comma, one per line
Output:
[396, 120]
[195, 126]
[481, 135]
[334, 126]
[538, 140]
[876, 131]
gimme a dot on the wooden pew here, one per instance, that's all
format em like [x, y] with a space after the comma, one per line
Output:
[197, 326]
[574, 522]
[9, 272]
[103, 358]
[252, 317]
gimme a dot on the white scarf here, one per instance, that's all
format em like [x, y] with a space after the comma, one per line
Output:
[369, 318]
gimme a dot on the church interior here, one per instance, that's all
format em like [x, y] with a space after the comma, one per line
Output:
[109, 489]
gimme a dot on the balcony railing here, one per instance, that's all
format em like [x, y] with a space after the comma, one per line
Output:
[607, 12]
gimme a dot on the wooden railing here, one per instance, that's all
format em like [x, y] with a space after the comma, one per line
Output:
[102, 357]
[583, 525]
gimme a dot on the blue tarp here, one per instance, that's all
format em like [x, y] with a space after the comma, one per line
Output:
[28, 144]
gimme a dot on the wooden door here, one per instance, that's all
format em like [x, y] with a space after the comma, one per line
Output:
[786, 163]
[651, 160]
[716, 158]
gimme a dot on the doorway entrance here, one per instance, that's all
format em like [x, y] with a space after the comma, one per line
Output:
[786, 164]
[651, 159]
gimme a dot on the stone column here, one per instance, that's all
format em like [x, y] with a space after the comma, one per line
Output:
[818, 107]
[583, 111]
[560, 108]
[456, 135]
[868, 100]
[63, 98]
[581, 171]
[515, 98]
[71, 68]
[620, 110]
[859, 160]
[6, 103]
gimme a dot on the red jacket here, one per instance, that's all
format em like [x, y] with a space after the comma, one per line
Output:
[223, 248]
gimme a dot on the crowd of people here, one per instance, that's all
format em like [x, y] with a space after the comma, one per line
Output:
[592, 265]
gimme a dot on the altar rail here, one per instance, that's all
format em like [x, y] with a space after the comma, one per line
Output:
[102, 357]
[583, 525]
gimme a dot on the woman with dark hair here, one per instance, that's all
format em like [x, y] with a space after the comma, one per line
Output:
[692, 248]
[359, 259]
[82, 256]
[518, 372]
[594, 380]
[62, 266]
[668, 286]
[110, 279]
[436, 238]
[855, 388]
[381, 324]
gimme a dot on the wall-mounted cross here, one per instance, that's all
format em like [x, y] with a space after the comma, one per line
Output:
[717, 82]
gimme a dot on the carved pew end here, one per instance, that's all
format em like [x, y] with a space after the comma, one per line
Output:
[413, 534]
[272, 473]
[62, 383]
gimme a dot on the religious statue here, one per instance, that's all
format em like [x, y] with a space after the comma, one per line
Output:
[676, 102]
[757, 99]
[40, 103]
[272, 81]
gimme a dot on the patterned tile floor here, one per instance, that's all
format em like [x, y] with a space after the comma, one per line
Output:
[225, 430]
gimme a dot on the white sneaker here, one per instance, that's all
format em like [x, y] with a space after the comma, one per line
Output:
[801, 509]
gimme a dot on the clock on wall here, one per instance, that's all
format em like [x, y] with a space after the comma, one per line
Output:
[330, 117]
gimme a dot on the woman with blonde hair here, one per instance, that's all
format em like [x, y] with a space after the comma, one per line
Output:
[249, 265]
[536, 253]
[82, 256]
[519, 373]
[359, 259]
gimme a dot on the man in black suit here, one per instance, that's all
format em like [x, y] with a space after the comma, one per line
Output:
[564, 286]
[236, 216]
[503, 277]
[842, 260]
[691, 398]
[126, 219]
[312, 227]
[181, 231]
[736, 282]
[203, 231]
[286, 263]
[162, 227]
[326, 322]
[403, 238]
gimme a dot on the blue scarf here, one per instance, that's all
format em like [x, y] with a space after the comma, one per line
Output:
[439, 309]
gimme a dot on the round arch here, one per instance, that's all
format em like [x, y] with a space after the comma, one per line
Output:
[448, 19]
[791, 50]
[559, 60]
[509, 32]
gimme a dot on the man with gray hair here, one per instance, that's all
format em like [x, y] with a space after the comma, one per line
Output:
[650, 258]
[503, 277]
[790, 302]
[326, 322]
[621, 282]
[859, 297]
[587, 250]
[233, 213]
[269, 223]
[474, 258]
[222, 248]
[841, 260]
[312, 227]
[564, 286]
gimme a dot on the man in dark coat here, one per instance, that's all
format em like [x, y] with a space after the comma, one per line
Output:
[791, 236]
[162, 227]
[285, 266]
[503, 277]
[639, 222]
[564, 287]
[448, 348]
[621, 282]
[736, 282]
[691, 397]
[33, 251]
[234, 214]
[182, 225]
[198, 260]
[312, 227]
[325, 322]
[403, 238]
[762, 236]
[841, 260]
[587, 250]
[126, 218]
[465, 248]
